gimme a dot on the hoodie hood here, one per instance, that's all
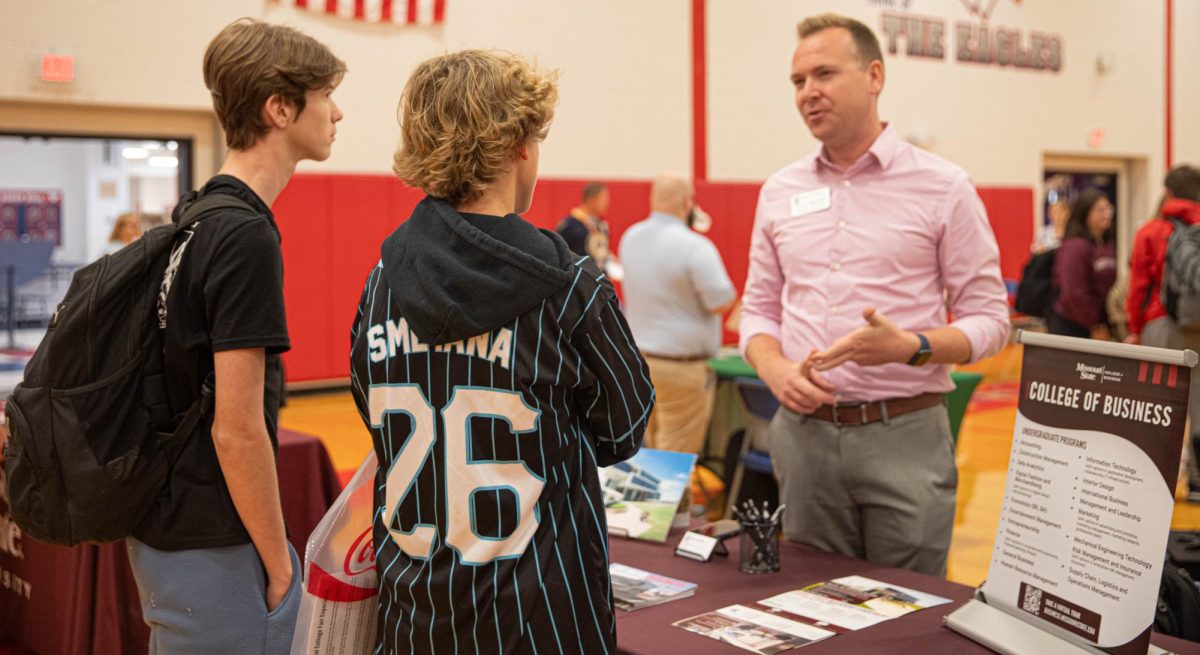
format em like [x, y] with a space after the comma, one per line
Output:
[1185, 210]
[452, 281]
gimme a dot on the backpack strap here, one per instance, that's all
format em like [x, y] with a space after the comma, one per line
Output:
[193, 211]
[196, 207]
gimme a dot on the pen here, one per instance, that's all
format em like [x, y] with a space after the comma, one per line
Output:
[775, 516]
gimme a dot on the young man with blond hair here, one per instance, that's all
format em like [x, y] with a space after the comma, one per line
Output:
[213, 565]
[857, 250]
[495, 373]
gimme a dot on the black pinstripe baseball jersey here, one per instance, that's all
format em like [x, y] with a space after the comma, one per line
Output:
[495, 372]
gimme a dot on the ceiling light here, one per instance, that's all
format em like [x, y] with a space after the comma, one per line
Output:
[130, 152]
[163, 162]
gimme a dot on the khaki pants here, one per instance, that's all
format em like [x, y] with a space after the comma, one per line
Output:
[883, 491]
[683, 402]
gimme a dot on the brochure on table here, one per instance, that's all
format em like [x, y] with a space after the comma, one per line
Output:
[810, 614]
[754, 630]
[1089, 495]
[634, 588]
[641, 494]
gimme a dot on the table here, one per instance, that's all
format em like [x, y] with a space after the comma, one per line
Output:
[729, 412]
[729, 364]
[649, 631]
[83, 600]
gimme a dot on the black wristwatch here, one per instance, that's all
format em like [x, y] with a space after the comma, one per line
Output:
[923, 353]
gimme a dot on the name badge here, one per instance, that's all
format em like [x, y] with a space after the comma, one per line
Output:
[811, 201]
[696, 546]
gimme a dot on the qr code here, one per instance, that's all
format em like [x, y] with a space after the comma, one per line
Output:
[1032, 602]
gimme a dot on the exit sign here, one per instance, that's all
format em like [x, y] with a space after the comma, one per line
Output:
[58, 68]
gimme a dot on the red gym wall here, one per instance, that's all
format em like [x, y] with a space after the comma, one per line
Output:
[332, 226]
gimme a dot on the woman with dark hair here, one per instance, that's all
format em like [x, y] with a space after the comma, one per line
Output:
[1085, 268]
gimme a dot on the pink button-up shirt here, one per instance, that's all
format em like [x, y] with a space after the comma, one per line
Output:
[904, 232]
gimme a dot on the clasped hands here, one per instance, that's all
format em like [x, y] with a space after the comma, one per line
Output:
[802, 388]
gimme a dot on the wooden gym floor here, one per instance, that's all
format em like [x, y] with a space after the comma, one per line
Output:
[983, 446]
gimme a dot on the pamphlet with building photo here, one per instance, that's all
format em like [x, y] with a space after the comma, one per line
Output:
[852, 602]
[753, 630]
[634, 588]
[816, 612]
[641, 494]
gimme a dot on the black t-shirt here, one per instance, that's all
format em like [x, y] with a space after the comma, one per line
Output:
[227, 295]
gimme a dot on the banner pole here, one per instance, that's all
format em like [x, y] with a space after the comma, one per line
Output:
[1109, 348]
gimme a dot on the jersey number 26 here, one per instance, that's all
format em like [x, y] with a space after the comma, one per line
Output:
[464, 476]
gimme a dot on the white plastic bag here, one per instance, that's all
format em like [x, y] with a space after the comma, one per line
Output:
[339, 607]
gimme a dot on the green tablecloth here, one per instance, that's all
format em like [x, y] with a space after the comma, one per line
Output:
[731, 365]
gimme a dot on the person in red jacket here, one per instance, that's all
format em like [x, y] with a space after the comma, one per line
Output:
[1144, 302]
[1148, 321]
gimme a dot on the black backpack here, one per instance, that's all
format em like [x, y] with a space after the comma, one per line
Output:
[91, 434]
[1036, 289]
[1178, 610]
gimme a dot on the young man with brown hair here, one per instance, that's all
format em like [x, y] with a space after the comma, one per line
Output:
[495, 372]
[214, 568]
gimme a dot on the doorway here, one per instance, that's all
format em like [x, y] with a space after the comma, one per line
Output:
[1122, 180]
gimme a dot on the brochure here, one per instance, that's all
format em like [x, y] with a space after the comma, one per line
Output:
[753, 630]
[634, 588]
[852, 602]
[641, 493]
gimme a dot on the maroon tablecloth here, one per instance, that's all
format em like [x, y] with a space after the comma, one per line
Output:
[649, 631]
[83, 600]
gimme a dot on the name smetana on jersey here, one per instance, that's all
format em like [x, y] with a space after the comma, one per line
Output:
[495, 372]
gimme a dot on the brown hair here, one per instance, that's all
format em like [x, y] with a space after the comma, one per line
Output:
[462, 117]
[249, 61]
[1077, 223]
[593, 189]
[121, 222]
[864, 39]
[1183, 181]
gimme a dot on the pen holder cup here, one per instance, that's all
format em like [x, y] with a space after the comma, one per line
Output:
[758, 548]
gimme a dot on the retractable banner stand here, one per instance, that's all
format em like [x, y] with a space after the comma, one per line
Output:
[1088, 500]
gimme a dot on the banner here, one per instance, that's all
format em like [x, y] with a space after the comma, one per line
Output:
[1090, 490]
[31, 215]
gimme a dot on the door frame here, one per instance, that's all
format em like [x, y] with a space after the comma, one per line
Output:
[1132, 195]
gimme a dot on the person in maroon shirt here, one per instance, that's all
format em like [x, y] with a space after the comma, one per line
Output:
[1085, 268]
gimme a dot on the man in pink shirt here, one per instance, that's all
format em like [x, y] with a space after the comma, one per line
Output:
[857, 251]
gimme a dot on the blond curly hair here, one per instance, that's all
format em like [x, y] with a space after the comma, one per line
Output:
[463, 115]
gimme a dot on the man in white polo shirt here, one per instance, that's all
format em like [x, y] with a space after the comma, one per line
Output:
[676, 289]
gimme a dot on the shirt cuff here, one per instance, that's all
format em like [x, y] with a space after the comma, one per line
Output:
[752, 326]
[987, 336]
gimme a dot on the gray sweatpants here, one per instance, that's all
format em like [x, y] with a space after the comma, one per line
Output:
[884, 491]
[212, 601]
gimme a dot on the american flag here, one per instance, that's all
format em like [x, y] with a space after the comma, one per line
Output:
[400, 12]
